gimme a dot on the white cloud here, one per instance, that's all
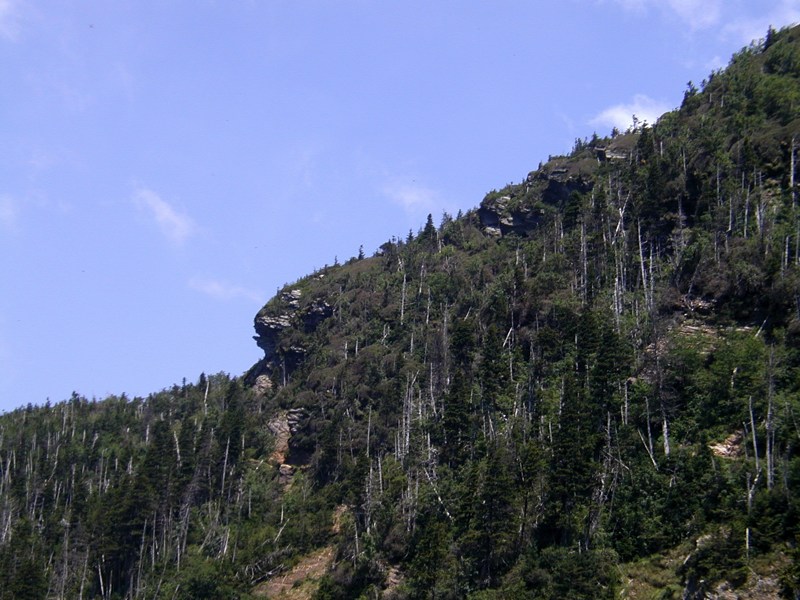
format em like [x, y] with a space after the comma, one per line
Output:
[788, 13]
[704, 14]
[746, 30]
[222, 290]
[697, 14]
[630, 5]
[8, 212]
[621, 115]
[176, 226]
[414, 198]
[9, 20]
[715, 64]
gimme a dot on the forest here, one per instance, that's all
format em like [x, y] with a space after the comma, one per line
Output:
[586, 387]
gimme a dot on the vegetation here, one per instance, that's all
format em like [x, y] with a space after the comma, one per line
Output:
[587, 387]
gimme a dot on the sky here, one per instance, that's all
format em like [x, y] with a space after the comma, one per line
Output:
[167, 165]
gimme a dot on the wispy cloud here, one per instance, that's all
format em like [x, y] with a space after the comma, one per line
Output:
[632, 5]
[697, 14]
[8, 212]
[728, 18]
[9, 20]
[223, 290]
[745, 30]
[621, 115]
[715, 64]
[175, 225]
[414, 198]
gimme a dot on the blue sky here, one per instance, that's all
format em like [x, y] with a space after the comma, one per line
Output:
[166, 165]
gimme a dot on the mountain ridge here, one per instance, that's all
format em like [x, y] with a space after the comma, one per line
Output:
[585, 387]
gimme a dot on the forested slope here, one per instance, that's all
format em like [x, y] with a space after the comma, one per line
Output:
[587, 387]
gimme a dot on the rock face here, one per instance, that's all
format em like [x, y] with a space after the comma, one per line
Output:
[521, 208]
[731, 447]
[262, 385]
[500, 217]
[276, 324]
[270, 325]
[315, 313]
[559, 185]
[279, 426]
[283, 426]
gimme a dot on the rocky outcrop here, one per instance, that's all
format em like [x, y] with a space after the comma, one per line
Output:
[262, 385]
[279, 427]
[521, 209]
[278, 320]
[500, 216]
[273, 319]
[730, 447]
[315, 313]
[559, 185]
[283, 426]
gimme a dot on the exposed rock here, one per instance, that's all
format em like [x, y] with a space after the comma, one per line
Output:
[262, 385]
[604, 153]
[285, 473]
[273, 323]
[269, 328]
[283, 426]
[296, 350]
[280, 428]
[758, 587]
[559, 188]
[731, 447]
[315, 313]
[763, 588]
[699, 305]
[293, 417]
[292, 298]
[500, 216]
[762, 582]
[520, 211]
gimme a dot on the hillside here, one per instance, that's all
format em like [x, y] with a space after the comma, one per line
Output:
[587, 387]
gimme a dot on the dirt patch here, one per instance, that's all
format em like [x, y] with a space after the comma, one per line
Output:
[338, 514]
[394, 578]
[301, 581]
